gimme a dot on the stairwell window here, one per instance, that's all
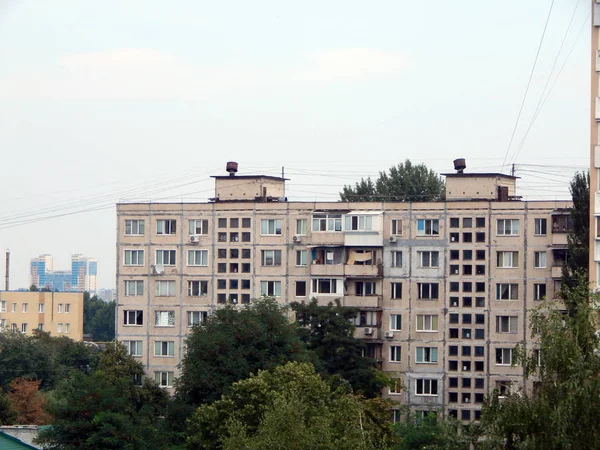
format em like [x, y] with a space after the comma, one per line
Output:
[428, 227]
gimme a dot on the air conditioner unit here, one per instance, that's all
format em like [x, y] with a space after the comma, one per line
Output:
[158, 269]
[368, 331]
[194, 239]
[297, 239]
[393, 239]
[389, 334]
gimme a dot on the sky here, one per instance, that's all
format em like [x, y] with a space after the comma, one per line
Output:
[134, 100]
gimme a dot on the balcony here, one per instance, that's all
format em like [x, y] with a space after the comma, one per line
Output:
[363, 301]
[363, 239]
[368, 333]
[327, 238]
[327, 270]
[557, 271]
[358, 271]
[559, 239]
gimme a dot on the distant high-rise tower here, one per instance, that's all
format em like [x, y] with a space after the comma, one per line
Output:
[81, 277]
[83, 273]
[40, 267]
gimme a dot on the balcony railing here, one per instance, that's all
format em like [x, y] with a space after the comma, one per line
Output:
[360, 301]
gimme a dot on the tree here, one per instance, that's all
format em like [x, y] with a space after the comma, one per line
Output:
[561, 412]
[402, 183]
[329, 333]
[98, 318]
[33, 288]
[27, 402]
[290, 407]
[232, 344]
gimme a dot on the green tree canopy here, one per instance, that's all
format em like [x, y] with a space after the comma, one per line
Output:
[405, 182]
[98, 318]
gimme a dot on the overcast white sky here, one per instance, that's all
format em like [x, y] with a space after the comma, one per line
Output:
[144, 99]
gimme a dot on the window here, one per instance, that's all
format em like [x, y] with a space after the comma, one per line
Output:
[133, 317]
[504, 356]
[506, 324]
[396, 259]
[507, 227]
[428, 291]
[395, 322]
[540, 227]
[539, 260]
[454, 222]
[429, 259]
[539, 291]
[134, 257]
[507, 260]
[234, 222]
[40, 308]
[59, 308]
[165, 288]
[359, 223]
[327, 222]
[426, 386]
[271, 257]
[396, 227]
[198, 258]
[59, 327]
[270, 227]
[24, 307]
[467, 222]
[246, 222]
[164, 318]
[222, 222]
[397, 387]
[166, 257]
[324, 286]
[366, 319]
[300, 288]
[134, 228]
[427, 355]
[428, 227]
[480, 255]
[270, 288]
[365, 288]
[166, 226]
[134, 348]
[14, 307]
[300, 257]
[134, 287]
[164, 379]
[197, 288]
[196, 317]
[164, 348]
[67, 308]
[507, 291]
[395, 353]
[427, 322]
[301, 227]
[396, 290]
[67, 328]
[3, 306]
[198, 226]
[23, 328]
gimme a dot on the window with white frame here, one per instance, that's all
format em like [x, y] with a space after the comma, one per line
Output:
[134, 227]
[24, 307]
[395, 353]
[327, 222]
[196, 317]
[40, 326]
[364, 288]
[3, 304]
[507, 227]
[504, 356]
[165, 288]
[166, 257]
[359, 223]
[197, 288]
[426, 386]
[395, 322]
[271, 257]
[428, 291]
[428, 259]
[427, 355]
[367, 319]
[540, 227]
[166, 226]
[428, 227]
[134, 287]
[506, 324]
[396, 387]
[67, 328]
[301, 257]
[324, 286]
[59, 328]
[539, 291]
[2, 324]
[133, 317]
[301, 227]
[427, 322]
[134, 348]
[539, 260]
[507, 291]
[67, 308]
[197, 258]
[164, 318]
[396, 416]
[164, 379]
[198, 226]
[41, 307]
[14, 307]
[270, 288]
[134, 257]
[24, 328]
[59, 308]
[396, 258]
[396, 229]
[396, 290]
[15, 327]
[507, 260]
[164, 348]
[270, 227]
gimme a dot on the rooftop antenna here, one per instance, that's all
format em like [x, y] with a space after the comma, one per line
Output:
[7, 275]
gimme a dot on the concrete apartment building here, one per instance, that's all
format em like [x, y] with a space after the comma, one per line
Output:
[443, 288]
[595, 149]
[59, 313]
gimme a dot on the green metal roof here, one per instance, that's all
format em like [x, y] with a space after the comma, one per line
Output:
[8, 442]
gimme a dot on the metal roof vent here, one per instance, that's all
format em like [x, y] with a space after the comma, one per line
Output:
[460, 165]
[232, 168]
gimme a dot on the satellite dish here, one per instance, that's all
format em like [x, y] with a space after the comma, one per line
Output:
[159, 269]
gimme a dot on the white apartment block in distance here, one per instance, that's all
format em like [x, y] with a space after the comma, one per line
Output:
[443, 288]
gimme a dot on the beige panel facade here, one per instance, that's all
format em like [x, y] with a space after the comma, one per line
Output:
[595, 148]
